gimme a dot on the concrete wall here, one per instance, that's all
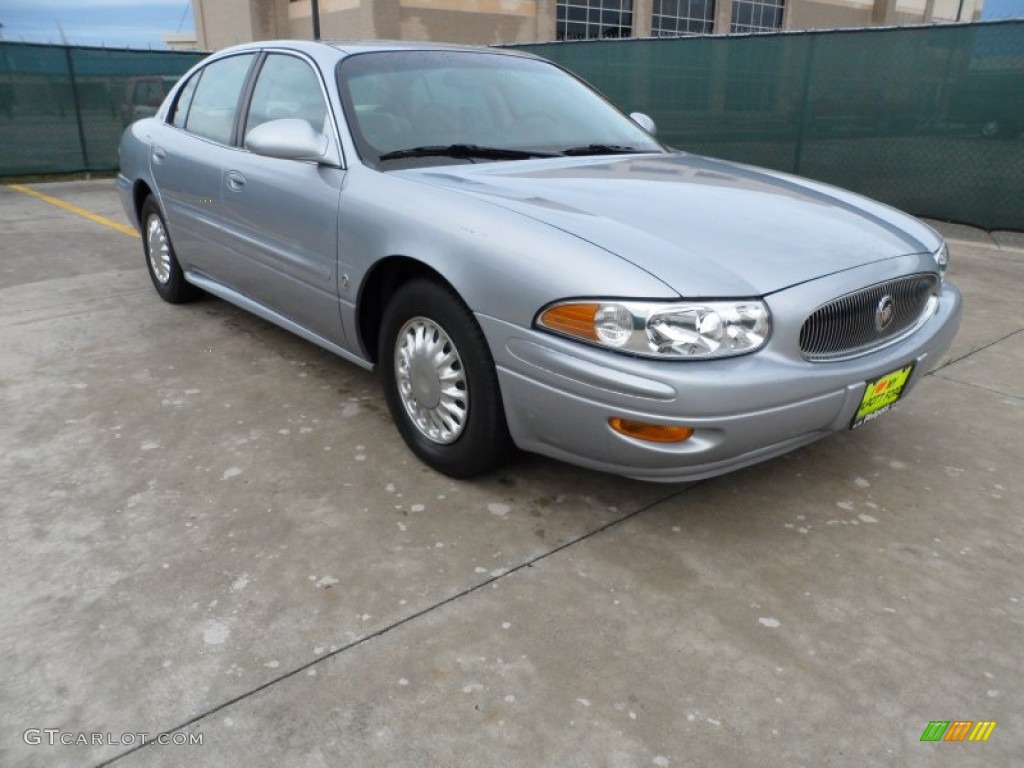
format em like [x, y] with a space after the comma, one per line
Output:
[220, 23]
[342, 20]
[470, 21]
[829, 14]
[836, 14]
[453, 21]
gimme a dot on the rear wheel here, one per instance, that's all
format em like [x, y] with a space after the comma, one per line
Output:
[163, 266]
[440, 383]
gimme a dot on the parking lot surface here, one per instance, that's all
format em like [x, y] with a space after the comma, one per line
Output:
[211, 529]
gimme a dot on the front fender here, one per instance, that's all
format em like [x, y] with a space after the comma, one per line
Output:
[502, 263]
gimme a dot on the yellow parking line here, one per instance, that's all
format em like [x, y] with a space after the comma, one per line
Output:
[122, 228]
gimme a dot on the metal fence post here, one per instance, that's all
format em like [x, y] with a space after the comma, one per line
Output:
[78, 109]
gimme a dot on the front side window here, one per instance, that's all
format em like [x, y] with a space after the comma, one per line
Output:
[589, 19]
[215, 103]
[670, 18]
[756, 15]
[287, 87]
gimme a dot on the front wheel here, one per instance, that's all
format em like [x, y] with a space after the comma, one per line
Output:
[440, 382]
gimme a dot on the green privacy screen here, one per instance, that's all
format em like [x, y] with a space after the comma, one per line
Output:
[927, 119]
[62, 109]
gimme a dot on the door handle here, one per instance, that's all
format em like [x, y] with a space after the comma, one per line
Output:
[235, 180]
[158, 154]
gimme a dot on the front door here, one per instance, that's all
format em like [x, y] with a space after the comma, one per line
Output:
[281, 215]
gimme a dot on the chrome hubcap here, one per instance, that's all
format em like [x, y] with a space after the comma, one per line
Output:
[159, 248]
[431, 380]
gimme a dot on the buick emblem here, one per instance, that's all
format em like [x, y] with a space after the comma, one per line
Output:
[884, 313]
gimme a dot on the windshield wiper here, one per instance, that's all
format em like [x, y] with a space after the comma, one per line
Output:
[467, 151]
[604, 149]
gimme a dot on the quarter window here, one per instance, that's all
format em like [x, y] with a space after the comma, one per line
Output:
[180, 113]
[286, 87]
[215, 103]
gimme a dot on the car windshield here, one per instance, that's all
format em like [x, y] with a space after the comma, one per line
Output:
[417, 108]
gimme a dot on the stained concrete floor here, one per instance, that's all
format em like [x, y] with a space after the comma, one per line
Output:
[210, 528]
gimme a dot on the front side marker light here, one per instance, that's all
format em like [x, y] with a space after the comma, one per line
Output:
[654, 433]
[942, 260]
[573, 319]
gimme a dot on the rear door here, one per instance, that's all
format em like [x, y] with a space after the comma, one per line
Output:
[188, 156]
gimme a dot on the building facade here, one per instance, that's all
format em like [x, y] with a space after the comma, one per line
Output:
[220, 23]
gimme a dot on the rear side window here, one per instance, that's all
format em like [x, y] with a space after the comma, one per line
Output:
[287, 87]
[215, 101]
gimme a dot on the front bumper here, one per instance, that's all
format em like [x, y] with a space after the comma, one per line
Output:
[559, 394]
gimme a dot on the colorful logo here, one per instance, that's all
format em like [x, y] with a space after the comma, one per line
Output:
[958, 730]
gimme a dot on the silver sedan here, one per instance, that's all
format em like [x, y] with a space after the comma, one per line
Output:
[527, 266]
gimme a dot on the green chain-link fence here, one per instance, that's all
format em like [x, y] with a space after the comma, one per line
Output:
[928, 119]
[62, 109]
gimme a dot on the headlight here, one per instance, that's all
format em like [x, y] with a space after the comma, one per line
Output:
[942, 260]
[660, 329]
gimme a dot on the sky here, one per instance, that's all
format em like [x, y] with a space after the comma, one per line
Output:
[1002, 9]
[114, 23]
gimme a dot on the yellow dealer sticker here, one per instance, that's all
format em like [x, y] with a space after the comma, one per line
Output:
[881, 394]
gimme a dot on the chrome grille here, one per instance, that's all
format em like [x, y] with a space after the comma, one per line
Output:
[848, 326]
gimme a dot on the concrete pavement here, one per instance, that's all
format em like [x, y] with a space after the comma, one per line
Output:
[210, 528]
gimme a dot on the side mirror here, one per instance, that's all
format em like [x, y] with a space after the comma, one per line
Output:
[288, 139]
[645, 122]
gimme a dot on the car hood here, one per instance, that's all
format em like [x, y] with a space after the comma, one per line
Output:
[705, 227]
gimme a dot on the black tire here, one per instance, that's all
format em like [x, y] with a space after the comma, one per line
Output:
[483, 442]
[170, 281]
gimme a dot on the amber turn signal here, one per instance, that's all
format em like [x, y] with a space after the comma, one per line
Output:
[573, 319]
[655, 433]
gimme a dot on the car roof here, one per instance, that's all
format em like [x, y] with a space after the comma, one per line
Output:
[351, 47]
[362, 46]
